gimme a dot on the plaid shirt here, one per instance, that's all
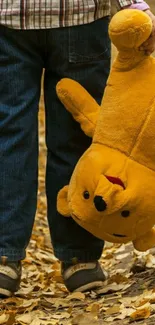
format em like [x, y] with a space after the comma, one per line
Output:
[40, 14]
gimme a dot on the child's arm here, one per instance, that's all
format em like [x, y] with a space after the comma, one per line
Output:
[137, 4]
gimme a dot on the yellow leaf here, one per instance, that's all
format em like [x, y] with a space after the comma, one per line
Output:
[113, 310]
[4, 318]
[150, 262]
[94, 308]
[36, 321]
[24, 319]
[62, 315]
[24, 291]
[153, 307]
[85, 319]
[142, 302]
[77, 296]
[127, 301]
[113, 287]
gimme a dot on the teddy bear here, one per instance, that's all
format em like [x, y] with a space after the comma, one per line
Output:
[112, 189]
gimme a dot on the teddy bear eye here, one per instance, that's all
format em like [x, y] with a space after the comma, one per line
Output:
[86, 195]
[125, 213]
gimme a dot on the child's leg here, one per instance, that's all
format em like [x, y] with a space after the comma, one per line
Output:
[83, 54]
[20, 75]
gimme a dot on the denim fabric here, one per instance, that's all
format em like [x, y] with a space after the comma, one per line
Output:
[83, 54]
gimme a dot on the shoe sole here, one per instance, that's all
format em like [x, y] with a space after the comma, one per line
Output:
[90, 286]
[5, 293]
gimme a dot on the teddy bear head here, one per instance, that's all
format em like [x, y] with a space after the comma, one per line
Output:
[114, 202]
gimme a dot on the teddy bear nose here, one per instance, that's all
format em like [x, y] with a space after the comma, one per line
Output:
[99, 202]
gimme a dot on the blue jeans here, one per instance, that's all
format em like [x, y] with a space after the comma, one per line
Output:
[83, 54]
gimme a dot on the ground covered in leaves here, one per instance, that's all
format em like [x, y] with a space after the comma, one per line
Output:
[128, 296]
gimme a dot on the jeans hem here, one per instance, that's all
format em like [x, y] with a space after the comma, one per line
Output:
[13, 255]
[81, 255]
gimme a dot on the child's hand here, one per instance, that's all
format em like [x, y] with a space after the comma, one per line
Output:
[149, 45]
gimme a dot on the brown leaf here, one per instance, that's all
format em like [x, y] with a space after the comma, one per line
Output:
[109, 256]
[11, 319]
[141, 313]
[118, 278]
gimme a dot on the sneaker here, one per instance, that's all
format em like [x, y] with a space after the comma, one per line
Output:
[83, 276]
[10, 275]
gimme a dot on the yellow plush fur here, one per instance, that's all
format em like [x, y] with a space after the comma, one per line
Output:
[112, 189]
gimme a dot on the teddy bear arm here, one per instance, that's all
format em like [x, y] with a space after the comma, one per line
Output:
[146, 241]
[79, 103]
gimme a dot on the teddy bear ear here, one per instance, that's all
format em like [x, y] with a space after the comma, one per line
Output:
[145, 242]
[62, 202]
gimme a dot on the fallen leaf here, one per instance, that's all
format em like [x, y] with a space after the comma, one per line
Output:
[141, 313]
[62, 315]
[138, 267]
[4, 318]
[122, 256]
[150, 261]
[113, 287]
[109, 256]
[94, 308]
[24, 319]
[118, 278]
[113, 310]
[24, 292]
[11, 319]
[84, 319]
[36, 321]
[77, 296]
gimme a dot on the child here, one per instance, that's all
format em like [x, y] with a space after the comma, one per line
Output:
[67, 39]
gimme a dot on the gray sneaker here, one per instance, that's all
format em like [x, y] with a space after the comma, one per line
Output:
[83, 276]
[10, 276]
